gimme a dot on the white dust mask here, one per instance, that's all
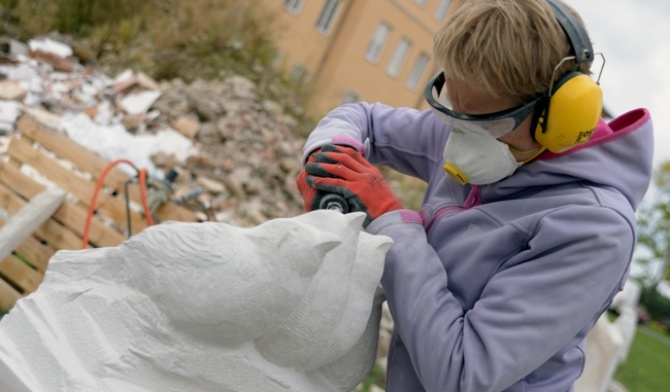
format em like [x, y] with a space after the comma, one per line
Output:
[478, 160]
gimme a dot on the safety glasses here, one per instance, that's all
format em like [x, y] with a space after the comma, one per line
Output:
[496, 124]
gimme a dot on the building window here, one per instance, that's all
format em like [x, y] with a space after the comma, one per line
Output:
[378, 42]
[442, 10]
[398, 57]
[351, 97]
[277, 59]
[327, 16]
[417, 71]
[293, 6]
[298, 73]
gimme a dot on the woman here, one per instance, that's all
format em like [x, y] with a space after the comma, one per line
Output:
[528, 223]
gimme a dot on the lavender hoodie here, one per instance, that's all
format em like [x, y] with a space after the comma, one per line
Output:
[494, 287]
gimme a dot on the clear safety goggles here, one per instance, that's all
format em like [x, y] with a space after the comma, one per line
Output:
[496, 124]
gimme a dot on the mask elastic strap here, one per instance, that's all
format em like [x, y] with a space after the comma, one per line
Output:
[538, 150]
[523, 152]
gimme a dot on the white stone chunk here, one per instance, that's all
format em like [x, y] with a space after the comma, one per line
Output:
[48, 45]
[140, 102]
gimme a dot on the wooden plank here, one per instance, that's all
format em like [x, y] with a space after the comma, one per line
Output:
[51, 231]
[171, 211]
[107, 204]
[65, 148]
[70, 215]
[36, 253]
[8, 295]
[20, 274]
[89, 162]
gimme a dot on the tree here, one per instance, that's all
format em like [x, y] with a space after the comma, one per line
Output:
[654, 234]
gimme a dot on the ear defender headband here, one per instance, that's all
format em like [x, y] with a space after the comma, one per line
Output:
[573, 105]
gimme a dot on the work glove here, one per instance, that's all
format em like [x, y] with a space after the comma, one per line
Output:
[314, 199]
[311, 198]
[343, 171]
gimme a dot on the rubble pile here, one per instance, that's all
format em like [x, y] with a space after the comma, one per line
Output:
[246, 144]
[238, 154]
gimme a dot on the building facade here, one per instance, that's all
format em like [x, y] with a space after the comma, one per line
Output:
[360, 50]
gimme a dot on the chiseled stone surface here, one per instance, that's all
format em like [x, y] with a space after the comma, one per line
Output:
[292, 304]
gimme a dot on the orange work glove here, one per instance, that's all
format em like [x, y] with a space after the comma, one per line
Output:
[310, 198]
[343, 171]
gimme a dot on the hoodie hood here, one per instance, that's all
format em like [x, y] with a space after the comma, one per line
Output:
[619, 155]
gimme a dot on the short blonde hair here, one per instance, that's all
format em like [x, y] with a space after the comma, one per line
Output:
[506, 47]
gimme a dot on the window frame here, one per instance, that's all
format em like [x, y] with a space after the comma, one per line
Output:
[299, 72]
[399, 56]
[294, 6]
[351, 96]
[328, 15]
[378, 45]
[415, 76]
[442, 10]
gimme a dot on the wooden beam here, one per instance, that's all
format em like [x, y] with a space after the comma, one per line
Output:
[91, 163]
[70, 215]
[20, 274]
[35, 253]
[65, 148]
[107, 205]
[8, 295]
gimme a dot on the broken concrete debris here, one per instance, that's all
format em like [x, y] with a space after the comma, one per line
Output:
[240, 153]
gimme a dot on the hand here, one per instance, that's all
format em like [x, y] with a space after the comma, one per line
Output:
[313, 198]
[310, 197]
[344, 171]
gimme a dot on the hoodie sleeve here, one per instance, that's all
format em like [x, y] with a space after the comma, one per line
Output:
[532, 307]
[405, 139]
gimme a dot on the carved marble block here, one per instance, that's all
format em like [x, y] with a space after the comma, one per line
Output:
[290, 305]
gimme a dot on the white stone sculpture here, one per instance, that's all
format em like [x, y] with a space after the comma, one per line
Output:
[290, 305]
[608, 343]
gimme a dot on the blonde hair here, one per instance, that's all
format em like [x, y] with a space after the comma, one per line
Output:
[506, 47]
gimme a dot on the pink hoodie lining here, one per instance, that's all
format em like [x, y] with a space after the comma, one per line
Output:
[617, 128]
[408, 216]
[472, 201]
[473, 198]
[349, 141]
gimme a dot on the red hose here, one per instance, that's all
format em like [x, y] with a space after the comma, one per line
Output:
[98, 186]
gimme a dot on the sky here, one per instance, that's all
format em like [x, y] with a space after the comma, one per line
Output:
[634, 37]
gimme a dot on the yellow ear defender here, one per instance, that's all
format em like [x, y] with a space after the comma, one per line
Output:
[570, 112]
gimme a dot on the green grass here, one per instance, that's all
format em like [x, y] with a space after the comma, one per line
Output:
[647, 368]
[377, 377]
